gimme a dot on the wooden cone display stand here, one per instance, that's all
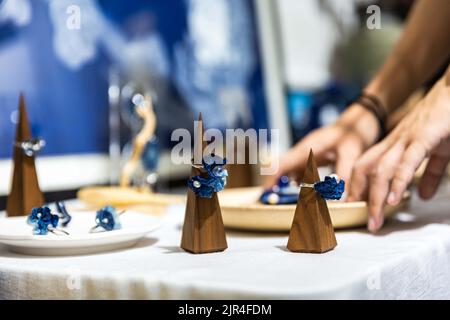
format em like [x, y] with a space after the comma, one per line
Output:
[25, 193]
[203, 229]
[311, 230]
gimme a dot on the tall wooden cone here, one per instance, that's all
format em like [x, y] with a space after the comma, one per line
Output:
[203, 229]
[311, 230]
[25, 192]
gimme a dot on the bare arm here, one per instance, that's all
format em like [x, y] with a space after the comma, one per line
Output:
[422, 49]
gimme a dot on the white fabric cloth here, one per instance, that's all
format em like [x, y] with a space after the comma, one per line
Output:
[410, 258]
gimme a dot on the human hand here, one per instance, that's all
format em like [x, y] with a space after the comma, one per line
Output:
[341, 143]
[383, 172]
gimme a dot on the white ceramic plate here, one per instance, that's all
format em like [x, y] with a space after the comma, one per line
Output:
[17, 235]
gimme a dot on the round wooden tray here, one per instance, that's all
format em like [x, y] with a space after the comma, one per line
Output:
[241, 210]
[128, 198]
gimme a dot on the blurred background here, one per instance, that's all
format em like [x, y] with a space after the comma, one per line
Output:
[287, 64]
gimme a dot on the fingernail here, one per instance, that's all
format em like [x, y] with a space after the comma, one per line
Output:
[371, 225]
[380, 222]
[392, 198]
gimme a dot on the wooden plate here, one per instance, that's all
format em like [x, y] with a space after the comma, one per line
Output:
[128, 198]
[241, 210]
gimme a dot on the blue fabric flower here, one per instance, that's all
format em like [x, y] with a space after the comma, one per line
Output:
[41, 218]
[330, 188]
[282, 193]
[108, 218]
[216, 180]
[201, 186]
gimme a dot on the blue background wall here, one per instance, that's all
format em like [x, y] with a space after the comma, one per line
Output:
[69, 109]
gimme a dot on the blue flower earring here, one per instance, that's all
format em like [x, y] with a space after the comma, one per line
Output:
[331, 188]
[107, 219]
[44, 221]
[215, 180]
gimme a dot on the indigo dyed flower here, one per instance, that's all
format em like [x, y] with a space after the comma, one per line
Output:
[201, 186]
[108, 218]
[284, 192]
[216, 180]
[41, 218]
[330, 188]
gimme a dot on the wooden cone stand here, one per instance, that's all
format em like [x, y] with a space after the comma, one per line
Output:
[311, 230]
[25, 192]
[203, 229]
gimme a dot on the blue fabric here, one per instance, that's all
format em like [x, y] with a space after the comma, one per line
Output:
[63, 214]
[41, 218]
[330, 189]
[283, 192]
[108, 218]
[215, 182]
[282, 199]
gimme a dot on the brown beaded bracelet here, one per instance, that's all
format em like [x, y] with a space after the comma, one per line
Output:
[374, 105]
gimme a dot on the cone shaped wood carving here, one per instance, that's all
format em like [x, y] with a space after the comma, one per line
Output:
[203, 229]
[311, 230]
[25, 193]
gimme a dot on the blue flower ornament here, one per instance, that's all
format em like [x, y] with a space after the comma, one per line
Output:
[43, 221]
[284, 192]
[107, 219]
[215, 181]
[331, 188]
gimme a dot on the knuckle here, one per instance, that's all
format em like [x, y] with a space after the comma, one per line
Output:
[402, 175]
[358, 168]
[379, 172]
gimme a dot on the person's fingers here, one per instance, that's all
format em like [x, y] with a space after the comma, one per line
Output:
[362, 169]
[434, 171]
[347, 154]
[291, 162]
[380, 179]
[271, 180]
[410, 161]
[295, 159]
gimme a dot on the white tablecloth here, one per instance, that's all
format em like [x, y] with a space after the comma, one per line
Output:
[410, 258]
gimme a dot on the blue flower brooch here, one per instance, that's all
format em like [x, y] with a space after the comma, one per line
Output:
[213, 177]
[286, 191]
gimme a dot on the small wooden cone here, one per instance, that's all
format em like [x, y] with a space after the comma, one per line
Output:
[25, 193]
[203, 229]
[311, 230]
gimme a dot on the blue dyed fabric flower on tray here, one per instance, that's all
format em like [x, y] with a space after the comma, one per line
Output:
[41, 218]
[108, 218]
[284, 192]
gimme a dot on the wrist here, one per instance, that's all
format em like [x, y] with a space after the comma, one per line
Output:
[363, 122]
[394, 83]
